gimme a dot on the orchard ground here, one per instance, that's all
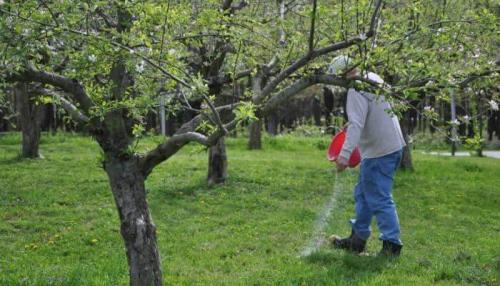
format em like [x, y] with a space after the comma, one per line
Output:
[59, 225]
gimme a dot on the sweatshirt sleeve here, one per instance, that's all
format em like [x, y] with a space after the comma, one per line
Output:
[357, 110]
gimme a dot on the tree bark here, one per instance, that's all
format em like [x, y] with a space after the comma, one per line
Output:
[30, 120]
[255, 136]
[406, 160]
[137, 228]
[217, 163]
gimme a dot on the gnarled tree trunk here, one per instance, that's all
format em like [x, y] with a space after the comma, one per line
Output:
[137, 228]
[30, 116]
[217, 163]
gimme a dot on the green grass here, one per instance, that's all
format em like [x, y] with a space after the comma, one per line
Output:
[58, 224]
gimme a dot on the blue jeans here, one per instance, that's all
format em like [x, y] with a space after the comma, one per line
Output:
[373, 197]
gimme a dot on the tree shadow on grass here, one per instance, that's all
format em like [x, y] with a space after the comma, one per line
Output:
[17, 159]
[172, 191]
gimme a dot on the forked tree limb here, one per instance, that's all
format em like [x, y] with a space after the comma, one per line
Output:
[165, 150]
[193, 124]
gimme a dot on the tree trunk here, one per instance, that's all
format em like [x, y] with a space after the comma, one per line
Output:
[453, 126]
[30, 120]
[316, 111]
[329, 100]
[217, 163]
[480, 120]
[406, 161]
[137, 228]
[255, 137]
[272, 124]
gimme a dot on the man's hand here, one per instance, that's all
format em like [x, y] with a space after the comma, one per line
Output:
[342, 164]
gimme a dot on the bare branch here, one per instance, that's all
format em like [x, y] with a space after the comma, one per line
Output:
[373, 22]
[313, 21]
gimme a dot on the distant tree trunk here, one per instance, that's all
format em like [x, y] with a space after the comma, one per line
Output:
[137, 228]
[53, 119]
[272, 124]
[329, 100]
[316, 111]
[406, 161]
[217, 163]
[30, 120]
[453, 126]
[255, 137]
[480, 123]
[497, 128]
[491, 125]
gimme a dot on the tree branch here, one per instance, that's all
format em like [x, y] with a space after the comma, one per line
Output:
[71, 86]
[226, 5]
[193, 124]
[227, 78]
[216, 115]
[66, 104]
[300, 85]
[166, 150]
[107, 19]
[102, 38]
[476, 76]
[269, 88]
[373, 22]
[313, 21]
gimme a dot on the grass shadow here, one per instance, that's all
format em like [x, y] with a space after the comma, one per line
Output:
[347, 262]
[17, 159]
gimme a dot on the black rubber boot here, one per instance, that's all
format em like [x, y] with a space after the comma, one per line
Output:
[390, 249]
[352, 243]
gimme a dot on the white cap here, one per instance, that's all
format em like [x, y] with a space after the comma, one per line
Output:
[339, 64]
[374, 77]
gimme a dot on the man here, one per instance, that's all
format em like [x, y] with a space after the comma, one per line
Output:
[380, 140]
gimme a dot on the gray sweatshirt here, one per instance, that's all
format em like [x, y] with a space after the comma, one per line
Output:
[371, 126]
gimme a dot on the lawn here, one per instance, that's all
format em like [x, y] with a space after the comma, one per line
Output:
[59, 226]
